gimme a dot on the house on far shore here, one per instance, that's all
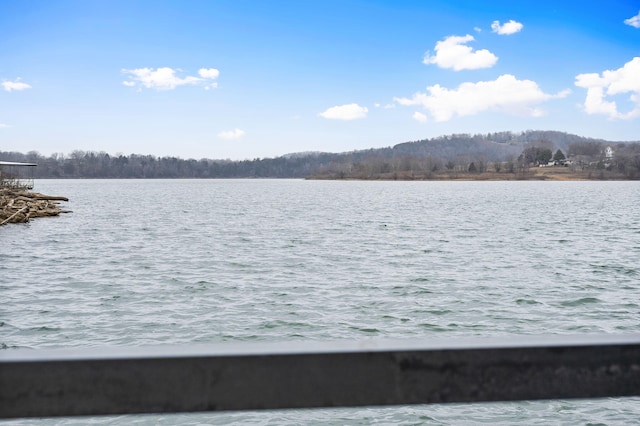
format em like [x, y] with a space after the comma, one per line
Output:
[16, 175]
[608, 152]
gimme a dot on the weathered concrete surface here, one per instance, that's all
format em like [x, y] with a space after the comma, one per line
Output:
[275, 376]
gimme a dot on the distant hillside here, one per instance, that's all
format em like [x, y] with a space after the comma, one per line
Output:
[451, 151]
[497, 146]
[501, 152]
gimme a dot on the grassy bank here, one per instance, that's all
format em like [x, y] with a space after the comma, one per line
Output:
[532, 173]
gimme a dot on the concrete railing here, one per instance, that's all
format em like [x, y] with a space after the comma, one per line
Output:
[46, 383]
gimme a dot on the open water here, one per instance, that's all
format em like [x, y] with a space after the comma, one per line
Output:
[149, 262]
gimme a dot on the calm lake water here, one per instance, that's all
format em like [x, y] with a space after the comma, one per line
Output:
[148, 262]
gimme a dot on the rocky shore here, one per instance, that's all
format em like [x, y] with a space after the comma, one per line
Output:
[21, 206]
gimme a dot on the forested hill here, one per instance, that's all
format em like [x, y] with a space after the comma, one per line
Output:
[499, 146]
[458, 148]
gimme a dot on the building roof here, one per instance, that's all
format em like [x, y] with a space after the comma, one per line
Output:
[13, 163]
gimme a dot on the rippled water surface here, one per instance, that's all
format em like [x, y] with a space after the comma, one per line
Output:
[142, 262]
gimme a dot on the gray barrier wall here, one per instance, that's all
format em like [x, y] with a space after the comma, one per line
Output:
[102, 381]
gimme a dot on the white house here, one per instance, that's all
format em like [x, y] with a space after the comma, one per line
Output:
[608, 152]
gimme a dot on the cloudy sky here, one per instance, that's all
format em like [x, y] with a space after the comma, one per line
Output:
[245, 79]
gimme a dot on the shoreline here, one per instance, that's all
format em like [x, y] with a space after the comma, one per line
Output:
[531, 174]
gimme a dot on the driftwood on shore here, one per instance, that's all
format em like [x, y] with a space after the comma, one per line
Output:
[20, 206]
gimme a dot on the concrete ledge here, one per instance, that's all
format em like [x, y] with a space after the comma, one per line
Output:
[100, 381]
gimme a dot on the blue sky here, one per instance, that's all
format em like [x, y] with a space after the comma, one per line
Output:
[244, 79]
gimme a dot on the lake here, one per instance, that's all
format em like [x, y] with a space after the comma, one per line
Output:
[149, 262]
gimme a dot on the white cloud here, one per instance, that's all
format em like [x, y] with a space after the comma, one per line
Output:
[634, 21]
[505, 94]
[4, 126]
[609, 83]
[166, 79]
[452, 52]
[231, 134]
[507, 28]
[345, 112]
[418, 116]
[15, 85]
[211, 73]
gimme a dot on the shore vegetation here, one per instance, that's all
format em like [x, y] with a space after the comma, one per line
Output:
[544, 155]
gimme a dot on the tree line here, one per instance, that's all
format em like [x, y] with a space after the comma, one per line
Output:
[500, 152]
[454, 155]
[88, 164]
